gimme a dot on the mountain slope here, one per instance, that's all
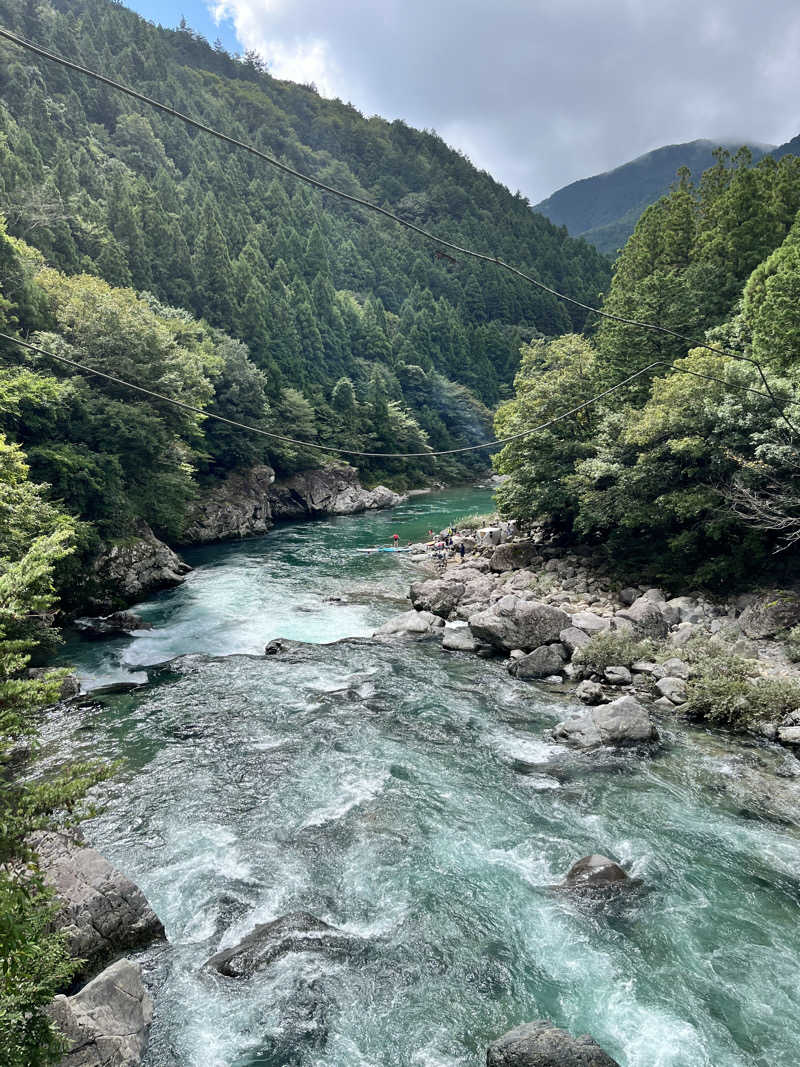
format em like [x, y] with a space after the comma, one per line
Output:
[605, 208]
[102, 184]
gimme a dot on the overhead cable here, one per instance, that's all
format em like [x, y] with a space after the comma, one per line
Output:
[361, 202]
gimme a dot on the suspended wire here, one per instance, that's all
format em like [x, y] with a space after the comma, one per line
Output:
[427, 234]
[497, 443]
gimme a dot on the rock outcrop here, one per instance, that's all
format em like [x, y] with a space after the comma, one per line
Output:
[540, 1044]
[516, 623]
[329, 491]
[129, 570]
[621, 722]
[107, 1023]
[239, 506]
[645, 619]
[101, 911]
[296, 932]
[249, 502]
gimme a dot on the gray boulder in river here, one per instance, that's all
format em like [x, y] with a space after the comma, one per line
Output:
[127, 571]
[597, 872]
[540, 1044]
[101, 911]
[107, 1023]
[297, 932]
[621, 722]
[515, 623]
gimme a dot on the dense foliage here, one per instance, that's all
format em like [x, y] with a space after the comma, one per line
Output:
[34, 961]
[329, 300]
[690, 473]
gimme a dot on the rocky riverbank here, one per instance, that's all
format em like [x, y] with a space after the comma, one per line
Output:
[559, 618]
[103, 915]
[245, 504]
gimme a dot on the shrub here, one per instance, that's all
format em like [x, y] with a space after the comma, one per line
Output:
[791, 643]
[725, 691]
[612, 650]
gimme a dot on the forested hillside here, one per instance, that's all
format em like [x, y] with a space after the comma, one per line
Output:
[690, 476]
[349, 319]
[605, 208]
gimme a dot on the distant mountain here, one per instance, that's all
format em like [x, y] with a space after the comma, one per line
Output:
[604, 209]
[791, 148]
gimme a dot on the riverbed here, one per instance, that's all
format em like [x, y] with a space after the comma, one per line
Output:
[409, 797]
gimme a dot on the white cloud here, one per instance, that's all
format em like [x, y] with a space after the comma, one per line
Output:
[541, 92]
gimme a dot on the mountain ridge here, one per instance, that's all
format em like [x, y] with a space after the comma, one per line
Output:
[603, 209]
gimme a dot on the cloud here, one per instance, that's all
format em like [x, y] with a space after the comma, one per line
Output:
[541, 92]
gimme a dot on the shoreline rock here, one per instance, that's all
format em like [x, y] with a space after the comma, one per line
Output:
[101, 911]
[129, 570]
[107, 1023]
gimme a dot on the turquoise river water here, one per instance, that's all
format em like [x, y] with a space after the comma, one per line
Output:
[409, 796]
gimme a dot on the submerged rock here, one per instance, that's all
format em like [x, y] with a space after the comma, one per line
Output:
[540, 1044]
[516, 623]
[107, 626]
[621, 722]
[101, 911]
[297, 932]
[107, 1023]
[597, 872]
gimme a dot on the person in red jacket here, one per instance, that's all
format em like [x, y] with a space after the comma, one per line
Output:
[396, 539]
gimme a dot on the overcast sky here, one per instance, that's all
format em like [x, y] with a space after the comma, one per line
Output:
[538, 92]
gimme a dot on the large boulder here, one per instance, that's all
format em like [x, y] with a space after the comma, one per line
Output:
[645, 619]
[573, 638]
[590, 623]
[107, 1023]
[621, 722]
[411, 624]
[129, 570]
[239, 506]
[674, 689]
[541, 663]
[770, 614]
[516, 623]
[437, 595]
[597, 872]
[540, 1044]
[459, 639]
[514, 556]
[101, 911]
[297, 932]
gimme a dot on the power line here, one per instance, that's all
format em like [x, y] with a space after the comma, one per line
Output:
[497, 443]
[441, 242]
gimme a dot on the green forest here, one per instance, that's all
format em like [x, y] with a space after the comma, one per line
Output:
[689, 474]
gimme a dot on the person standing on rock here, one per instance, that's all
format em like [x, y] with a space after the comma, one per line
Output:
[461, 551]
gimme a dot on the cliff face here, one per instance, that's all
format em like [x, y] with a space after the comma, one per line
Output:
[245, 504]
[250, 502]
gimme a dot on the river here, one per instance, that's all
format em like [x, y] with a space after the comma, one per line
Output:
[408, 796]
